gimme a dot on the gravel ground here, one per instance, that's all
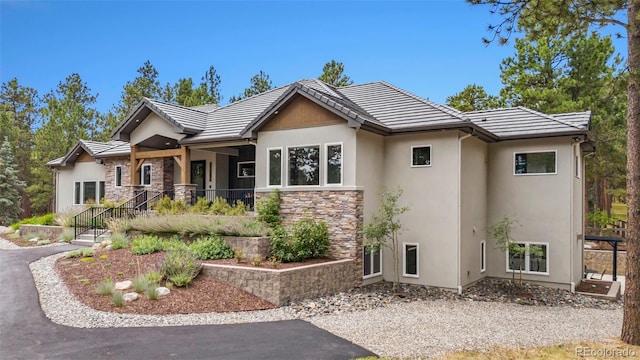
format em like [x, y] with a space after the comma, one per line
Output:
[408, 327]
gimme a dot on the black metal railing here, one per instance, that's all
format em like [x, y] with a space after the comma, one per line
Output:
[232, 196]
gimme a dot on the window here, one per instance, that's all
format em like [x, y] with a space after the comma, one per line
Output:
[304, 165]
[89, 192]
[77, 193]
[275, 167]
[483, 256]
[534, 260]
[118, 176]
[420, 156]
[334, 164]
[372, 262]
[246, 169]
[410, 260]
[100, 192]
[535, 163]
[145, 175]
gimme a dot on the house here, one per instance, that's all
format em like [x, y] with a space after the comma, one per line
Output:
[331, 150]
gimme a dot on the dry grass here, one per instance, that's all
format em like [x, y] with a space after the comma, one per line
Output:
[193, 225]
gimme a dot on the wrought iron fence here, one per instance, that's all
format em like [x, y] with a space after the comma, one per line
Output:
[232, 196]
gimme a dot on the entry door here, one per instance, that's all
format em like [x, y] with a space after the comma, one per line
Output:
[198, 176]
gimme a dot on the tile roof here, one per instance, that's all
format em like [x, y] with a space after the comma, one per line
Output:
[521, 122]
[189, 118]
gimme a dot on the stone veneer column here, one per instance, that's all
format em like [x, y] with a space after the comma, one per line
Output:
[132, 190]
[185, 192]
[342, 210]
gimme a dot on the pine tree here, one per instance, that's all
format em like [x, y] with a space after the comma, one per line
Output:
[333, 73]
[10, 186]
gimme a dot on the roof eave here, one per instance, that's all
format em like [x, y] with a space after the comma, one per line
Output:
[463, 126]
[544, 135]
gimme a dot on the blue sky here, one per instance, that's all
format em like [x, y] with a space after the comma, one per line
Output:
[431, 48]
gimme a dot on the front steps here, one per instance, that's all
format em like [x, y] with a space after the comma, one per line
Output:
[86, 239]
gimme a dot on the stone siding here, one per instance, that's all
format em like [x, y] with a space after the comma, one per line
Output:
[113, 193]
[184, 192]
[251, 247]
[599, 260]
[342, 210]
[48, 231]
[283, 286]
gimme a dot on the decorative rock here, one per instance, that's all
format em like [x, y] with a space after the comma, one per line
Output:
[43, 242]
[108, 247]
[162, 291]
[34, 240]
[123, 285]
[132, 296]
[95, 246]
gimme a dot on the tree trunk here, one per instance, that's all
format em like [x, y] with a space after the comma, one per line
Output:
[631, 321]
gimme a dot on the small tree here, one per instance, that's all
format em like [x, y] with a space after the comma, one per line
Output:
[384, 227]
[10, 186]
[500, 232]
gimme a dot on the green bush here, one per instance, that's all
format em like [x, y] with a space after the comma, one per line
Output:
[105, 287]
[154, 277]
[192, 225]
[220, 207]
[200, 207]
[46, 219]
[166, 206]
[173, 243]
[304, 240]
[117, 298]
[269, 209]
[119, 241]
[239, 209]
[65, 217]
[140, 284]
[211, 248]
[83, 253]
[146, 244]
[180, 267]
[67, 235]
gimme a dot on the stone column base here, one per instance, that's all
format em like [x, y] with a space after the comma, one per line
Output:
[186, 192]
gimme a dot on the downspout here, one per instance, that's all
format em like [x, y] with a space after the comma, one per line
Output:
[460, 206]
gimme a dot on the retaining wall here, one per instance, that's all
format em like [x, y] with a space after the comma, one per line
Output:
[49, 231]
[283, 286]
[599, 260]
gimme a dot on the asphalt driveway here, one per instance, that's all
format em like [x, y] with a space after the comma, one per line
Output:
[25, 332]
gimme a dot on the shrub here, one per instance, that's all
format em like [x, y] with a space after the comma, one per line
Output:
[239, 209]
[152, 292]
[163, 206]
[304, 240]
[146, 244]
[119, 241]
[200, 207]
[140, 284]
[117, 298]
[65, 217]
[166, 206]
[211, 248]
[84, 252]
[269, 209]
[105, 287]
[67, 235]
[180, 267]
[195, 225]
[238, 255]
[153, 277]
[119, 225]
[174, 243]
[43, 242]
[46, 219]
[220, 207]
[256, 261]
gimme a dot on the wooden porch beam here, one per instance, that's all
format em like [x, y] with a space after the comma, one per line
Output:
[134, 178]
[154, 154]
[185, 171]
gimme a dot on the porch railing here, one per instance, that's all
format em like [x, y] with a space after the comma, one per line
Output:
[232, 196]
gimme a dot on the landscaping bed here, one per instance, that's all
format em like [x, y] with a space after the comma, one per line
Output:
[203, 294]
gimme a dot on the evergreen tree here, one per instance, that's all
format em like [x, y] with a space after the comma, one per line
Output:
[10, 186]
[146, 84]
[259, 84]
[333, 73]
[473, 98]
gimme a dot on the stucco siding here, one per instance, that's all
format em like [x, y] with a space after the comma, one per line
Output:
[369, 174]
[82, 171]
[473, 208]
[578, 214]
[150, 126]
[321, 136]
[541, 204]
[432, 195]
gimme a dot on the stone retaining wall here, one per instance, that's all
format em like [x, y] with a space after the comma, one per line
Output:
[283, 286]
[599, 260]
[50, 232]
[251, 247]
[342, 210]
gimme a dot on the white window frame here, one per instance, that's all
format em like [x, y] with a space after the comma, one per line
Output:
[483, 256]
[527, 263]
[238, 169]
[578, 161]
[404, 260]
[115, 176]
[372, 267]
[282, 157]
[513, 162]
[430, 156]
[142, 175]
[326, 164]
[320, 160]
[77, 200]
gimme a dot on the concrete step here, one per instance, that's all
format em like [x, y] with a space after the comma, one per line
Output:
[78, 242]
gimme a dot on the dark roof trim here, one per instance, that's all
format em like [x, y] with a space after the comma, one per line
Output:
[465, 126]
[545, 135]
[120, 134]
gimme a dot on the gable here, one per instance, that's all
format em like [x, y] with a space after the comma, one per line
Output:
[153, 125]
[84, 157]
[301, 113]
